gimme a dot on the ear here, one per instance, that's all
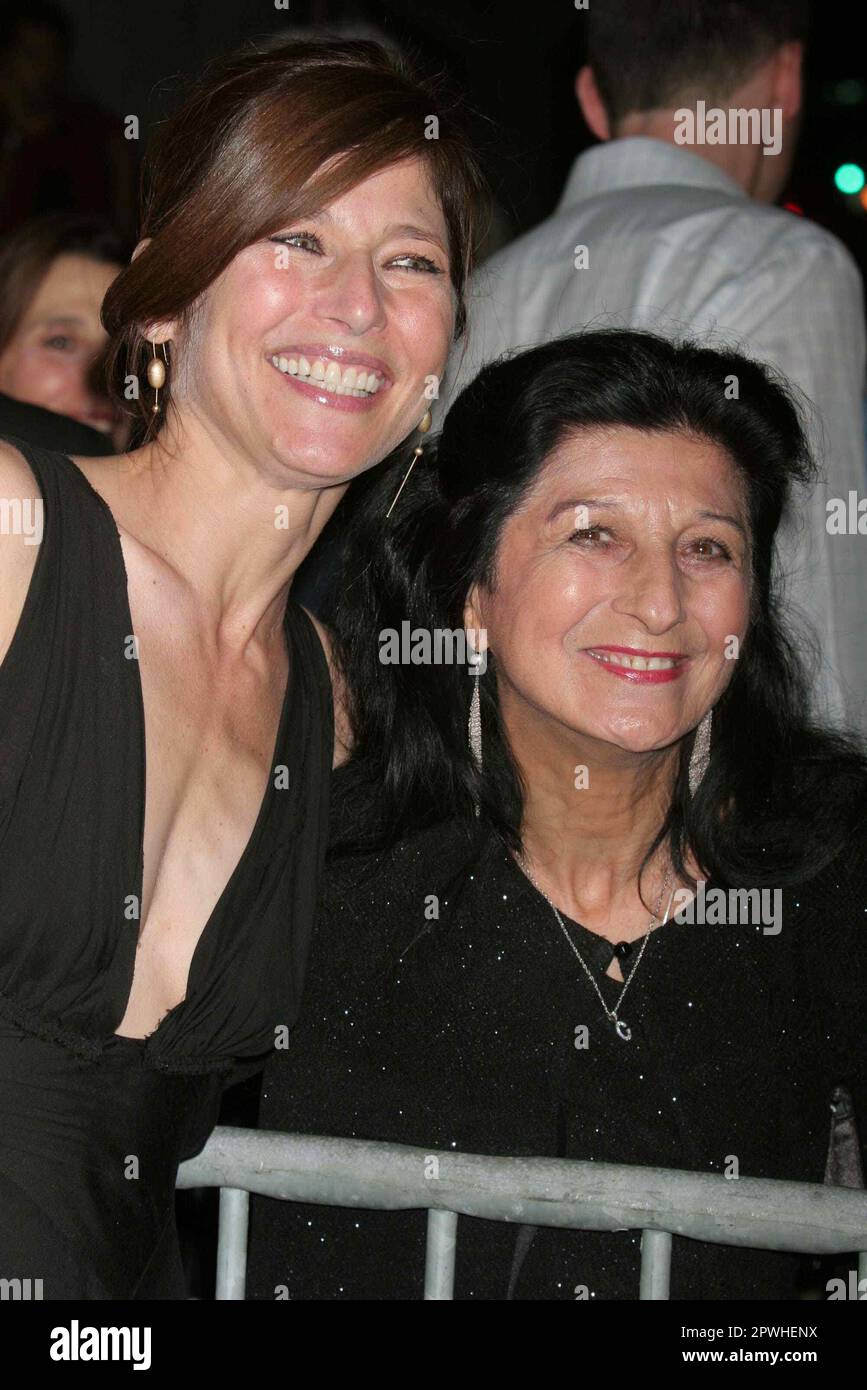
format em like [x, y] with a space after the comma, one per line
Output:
[474, 620]
[165, 329]
[788, 79]
[591, 103]
[161, 332]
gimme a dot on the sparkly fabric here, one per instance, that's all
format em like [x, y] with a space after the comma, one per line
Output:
[458, 1032]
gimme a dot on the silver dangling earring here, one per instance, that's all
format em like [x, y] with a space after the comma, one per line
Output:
[474, 723]
[424, 425]
[700, 756]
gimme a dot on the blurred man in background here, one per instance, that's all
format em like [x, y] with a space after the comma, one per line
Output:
[667, 224]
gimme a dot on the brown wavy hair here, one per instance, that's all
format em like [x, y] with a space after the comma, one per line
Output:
[268, 136]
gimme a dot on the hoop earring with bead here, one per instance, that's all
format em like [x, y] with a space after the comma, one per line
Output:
[156, 374]
[424, 425]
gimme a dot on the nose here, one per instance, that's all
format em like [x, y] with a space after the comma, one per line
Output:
[353, 296]
[652, 590]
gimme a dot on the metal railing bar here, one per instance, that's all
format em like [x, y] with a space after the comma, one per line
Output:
[439, 1267]
[232, 1244]
[655, 1265]
[754, 1212]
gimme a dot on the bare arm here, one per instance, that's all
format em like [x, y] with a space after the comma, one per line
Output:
[20, 533]
[342, 731]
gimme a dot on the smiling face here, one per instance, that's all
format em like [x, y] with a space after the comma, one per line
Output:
[310, 354]
[50, 355]
[620, 581]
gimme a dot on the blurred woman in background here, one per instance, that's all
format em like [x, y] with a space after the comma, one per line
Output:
[54, 274]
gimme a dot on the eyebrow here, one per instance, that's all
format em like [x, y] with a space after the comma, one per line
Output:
[724, 516]
[419, 233]
[393, 229]
[65, 320]
[573, 502]
[612, 502]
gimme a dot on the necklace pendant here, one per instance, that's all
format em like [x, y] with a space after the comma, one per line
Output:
[622, 1029]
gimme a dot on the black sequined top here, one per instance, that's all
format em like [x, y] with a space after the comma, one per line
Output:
[441, 1011]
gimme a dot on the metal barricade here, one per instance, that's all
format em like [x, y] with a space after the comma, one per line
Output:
[805, 1218]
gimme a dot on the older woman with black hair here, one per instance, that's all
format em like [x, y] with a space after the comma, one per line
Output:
[533, 941]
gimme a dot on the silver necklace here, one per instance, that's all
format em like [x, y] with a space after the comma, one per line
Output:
[621, 1027]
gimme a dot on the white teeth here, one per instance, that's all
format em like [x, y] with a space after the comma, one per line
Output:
[327, 374]
[635, 663]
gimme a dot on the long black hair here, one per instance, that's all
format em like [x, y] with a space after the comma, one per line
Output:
[781, 795]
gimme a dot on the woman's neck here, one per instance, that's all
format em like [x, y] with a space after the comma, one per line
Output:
[591, 812]
[233, 536]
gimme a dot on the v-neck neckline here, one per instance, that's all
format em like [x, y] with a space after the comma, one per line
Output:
[141, 808]
[254, 837]
[594, 943]
[600, 970]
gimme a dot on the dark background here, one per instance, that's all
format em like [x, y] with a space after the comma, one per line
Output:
[515, 63]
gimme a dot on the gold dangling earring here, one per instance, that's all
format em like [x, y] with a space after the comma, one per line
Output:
[424, 425]
[157, 375]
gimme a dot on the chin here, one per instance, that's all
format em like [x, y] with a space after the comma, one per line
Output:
[337, 465]
[639, 737]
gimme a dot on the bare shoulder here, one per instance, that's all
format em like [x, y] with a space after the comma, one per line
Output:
[15, 471]
[342, 728]
[20, 535]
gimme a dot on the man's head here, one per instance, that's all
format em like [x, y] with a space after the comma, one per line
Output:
[646, 60]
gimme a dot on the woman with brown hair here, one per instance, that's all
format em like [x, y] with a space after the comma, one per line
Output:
[166, 728]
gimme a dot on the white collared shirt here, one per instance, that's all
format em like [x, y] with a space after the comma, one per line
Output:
[676, 246]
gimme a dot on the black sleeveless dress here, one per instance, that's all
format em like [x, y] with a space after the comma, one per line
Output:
[93, 1125]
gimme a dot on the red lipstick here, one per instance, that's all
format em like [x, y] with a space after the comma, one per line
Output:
[658, 676]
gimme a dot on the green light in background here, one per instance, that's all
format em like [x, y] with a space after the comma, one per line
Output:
[849, 178]
[851, 91]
